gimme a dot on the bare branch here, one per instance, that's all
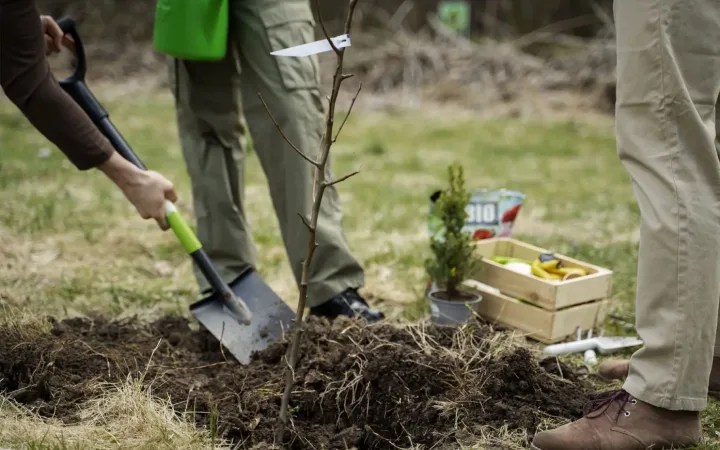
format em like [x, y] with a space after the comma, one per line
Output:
[352, 103]
[277, 125]
[351, 12]
[307, 224]
[341, 179]
[345, 76]
[322, 25]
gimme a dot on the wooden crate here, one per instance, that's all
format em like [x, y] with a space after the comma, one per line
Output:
[548, 327]
[551, 295]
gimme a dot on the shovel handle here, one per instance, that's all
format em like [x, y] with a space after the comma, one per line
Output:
[67, 25]
[75, 86]
[571, 347]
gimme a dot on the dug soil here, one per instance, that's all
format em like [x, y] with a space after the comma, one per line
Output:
[369, 387]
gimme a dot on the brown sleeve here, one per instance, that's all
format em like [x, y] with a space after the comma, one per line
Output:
[26, 78]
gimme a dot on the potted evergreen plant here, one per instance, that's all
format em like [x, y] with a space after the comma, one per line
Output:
[453, 259]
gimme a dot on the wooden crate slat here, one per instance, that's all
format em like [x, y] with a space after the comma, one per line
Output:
[540, 324]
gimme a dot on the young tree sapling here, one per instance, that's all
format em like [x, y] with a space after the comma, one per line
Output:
[321, 182]
[453, 259]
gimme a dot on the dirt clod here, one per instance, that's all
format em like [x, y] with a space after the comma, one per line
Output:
[357, 386]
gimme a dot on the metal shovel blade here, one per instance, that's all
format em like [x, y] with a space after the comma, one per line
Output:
[271, 317]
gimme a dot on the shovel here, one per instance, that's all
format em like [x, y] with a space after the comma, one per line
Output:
[246, 315]
[603, 344]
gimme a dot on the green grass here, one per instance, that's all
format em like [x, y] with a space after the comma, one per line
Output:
[71, 244]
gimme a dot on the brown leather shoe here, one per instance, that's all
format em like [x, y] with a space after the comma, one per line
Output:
[618, 369]
[619, 421]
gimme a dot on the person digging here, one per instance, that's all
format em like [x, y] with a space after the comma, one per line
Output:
[668, 84]
[213, 123]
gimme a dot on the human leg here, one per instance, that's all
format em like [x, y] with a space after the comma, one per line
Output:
[668, 84]
[290, 88]
[212, 137]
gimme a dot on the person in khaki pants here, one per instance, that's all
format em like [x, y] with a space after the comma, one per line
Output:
[668, 75]
[212, 121]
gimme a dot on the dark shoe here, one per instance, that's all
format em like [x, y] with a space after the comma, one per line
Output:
[618, 369]
[349, 304]
[618, 421]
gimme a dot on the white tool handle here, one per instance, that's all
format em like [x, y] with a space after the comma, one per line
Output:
[571, 347]
[590, 357]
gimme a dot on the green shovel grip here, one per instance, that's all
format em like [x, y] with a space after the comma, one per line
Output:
[182, 230]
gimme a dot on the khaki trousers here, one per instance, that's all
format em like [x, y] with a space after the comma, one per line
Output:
[668, 71]
[212, 127]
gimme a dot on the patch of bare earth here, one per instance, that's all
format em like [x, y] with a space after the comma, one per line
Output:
[376, 386]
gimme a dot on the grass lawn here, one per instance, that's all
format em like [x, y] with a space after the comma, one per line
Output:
[70, 243]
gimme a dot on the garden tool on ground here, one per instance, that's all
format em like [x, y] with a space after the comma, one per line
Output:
[602, 344]
[246, 315]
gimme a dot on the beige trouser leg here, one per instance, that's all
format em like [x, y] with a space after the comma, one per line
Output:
[211, 129]
[668, 85]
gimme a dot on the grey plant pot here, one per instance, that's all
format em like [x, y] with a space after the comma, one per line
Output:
[452, 313]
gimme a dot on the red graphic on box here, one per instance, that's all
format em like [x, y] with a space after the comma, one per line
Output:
[483, 234]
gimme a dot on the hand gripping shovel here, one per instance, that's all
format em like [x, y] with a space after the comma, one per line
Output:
[244, 316]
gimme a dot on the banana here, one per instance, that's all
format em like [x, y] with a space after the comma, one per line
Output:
[564, 271]
[547, 266]
[538, 271]
[549, 263]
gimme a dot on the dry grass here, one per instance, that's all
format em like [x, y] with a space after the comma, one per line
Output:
[127, 416]
[465, 359]
[22, 323]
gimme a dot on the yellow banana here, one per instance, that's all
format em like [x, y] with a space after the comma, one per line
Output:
[550, 265]
[553, 266]
[538, 271]
[568, 271]
[548, 261]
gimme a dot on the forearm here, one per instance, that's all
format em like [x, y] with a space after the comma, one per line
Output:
[121, 171]
[28, 82]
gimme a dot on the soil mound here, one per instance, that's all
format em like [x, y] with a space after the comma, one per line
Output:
[364, 386]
